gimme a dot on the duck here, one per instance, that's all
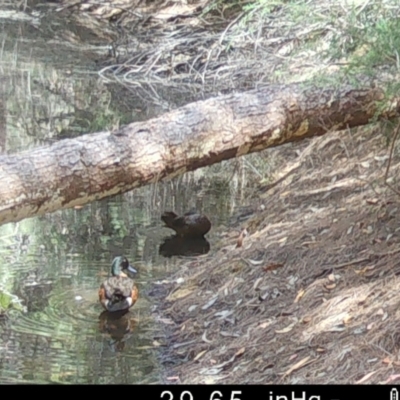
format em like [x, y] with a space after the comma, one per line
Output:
[119, 292]
[190, 224]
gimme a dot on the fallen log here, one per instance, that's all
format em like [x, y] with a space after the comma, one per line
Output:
[78, 171]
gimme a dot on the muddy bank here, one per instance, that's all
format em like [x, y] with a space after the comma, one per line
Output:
[312, 295]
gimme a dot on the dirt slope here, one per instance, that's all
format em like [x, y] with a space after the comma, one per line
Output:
[329, 312]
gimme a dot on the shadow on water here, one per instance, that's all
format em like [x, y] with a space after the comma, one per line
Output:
[181, 246]
[52, 265]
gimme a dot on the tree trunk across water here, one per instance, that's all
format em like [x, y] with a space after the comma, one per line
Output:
[77, 171]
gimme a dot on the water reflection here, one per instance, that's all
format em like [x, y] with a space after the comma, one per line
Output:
[35, 295]
[181, 246]
[119, 326]
[64, 336]
[56, 270]
[73, 344]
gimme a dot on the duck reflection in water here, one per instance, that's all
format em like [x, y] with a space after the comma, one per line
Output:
[117, 295]
[190, 229]
[184, 246]
[119, 326]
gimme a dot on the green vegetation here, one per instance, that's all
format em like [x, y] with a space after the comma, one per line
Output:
[8, 302]
[357, 36]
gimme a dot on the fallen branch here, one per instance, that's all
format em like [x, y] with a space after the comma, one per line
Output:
[77, 171]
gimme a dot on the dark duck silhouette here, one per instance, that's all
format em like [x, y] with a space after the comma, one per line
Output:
[184, 246]
[119, 292]
[190, 224]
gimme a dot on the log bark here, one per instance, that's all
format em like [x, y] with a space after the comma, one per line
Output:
[77, 171]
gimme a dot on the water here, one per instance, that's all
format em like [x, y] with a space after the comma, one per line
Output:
[64, 335]
[54, 264]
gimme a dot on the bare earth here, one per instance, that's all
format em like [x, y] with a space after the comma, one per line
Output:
[312, 295]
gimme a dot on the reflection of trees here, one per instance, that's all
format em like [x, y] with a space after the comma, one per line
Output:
[35, 295]
[48, 356]
[51, 105]
[99, 230]
[3, 121]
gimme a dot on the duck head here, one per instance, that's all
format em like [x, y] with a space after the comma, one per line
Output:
[121, 264]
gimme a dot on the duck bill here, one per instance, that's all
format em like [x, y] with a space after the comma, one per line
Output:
[131, 269]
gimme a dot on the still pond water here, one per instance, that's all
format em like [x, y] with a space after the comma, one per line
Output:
[53, 265]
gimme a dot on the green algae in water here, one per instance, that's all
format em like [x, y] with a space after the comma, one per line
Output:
[9, 301]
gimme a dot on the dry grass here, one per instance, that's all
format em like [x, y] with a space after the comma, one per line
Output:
[160, 50]
[313, 294]
[245, 45]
